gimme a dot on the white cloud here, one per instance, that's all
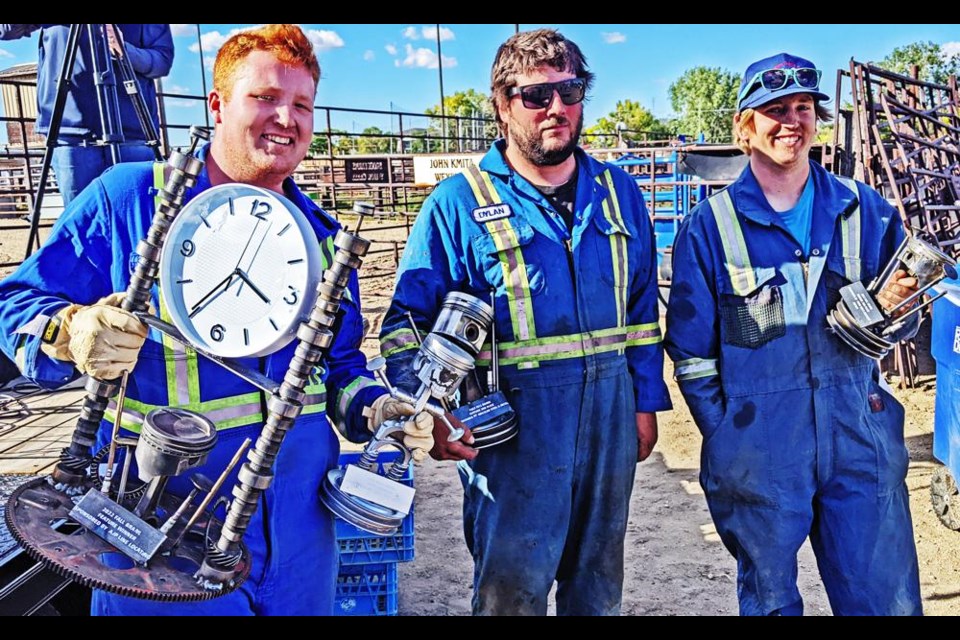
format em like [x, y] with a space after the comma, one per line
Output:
[213, 40]
[950, 49]
[431, 33]
[368, 55]
[422, 58]
[183, 29]
[613, 37]
[6, 54]
[210, 41]
[428, 32]
[176, 88]
[391, 49]
[324, 39]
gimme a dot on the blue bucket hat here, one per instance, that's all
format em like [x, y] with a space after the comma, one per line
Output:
[754, 89]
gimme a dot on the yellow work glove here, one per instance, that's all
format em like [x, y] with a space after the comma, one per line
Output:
[417, 431]
[101, 339]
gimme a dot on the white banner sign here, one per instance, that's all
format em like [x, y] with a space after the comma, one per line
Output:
[433, 169]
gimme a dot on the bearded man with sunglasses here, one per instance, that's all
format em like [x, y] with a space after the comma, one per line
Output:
[801, 436]
[565, 245]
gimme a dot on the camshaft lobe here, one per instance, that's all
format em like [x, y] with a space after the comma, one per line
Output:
[183, 171]
[315, 337]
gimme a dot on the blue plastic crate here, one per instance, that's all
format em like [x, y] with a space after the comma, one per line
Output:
[359, 547]
[367, 590]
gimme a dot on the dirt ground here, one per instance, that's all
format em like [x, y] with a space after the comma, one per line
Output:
[675, 563]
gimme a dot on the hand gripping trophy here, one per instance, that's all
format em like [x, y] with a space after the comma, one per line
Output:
[860, 321]
[444, 360]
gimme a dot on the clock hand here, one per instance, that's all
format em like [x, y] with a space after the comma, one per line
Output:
[253, 258]
[222, 286]
[257, 291]
[249, 240]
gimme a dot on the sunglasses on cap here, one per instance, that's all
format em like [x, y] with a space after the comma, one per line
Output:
[776, 79]
[539, 96]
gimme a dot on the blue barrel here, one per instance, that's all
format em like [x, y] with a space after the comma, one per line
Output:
[945, 348]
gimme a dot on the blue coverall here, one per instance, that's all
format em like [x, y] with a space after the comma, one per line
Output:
[580, 353]
[76, 160]
[291, 538]
[799, 435]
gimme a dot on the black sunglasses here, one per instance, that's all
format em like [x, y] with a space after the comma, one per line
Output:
[539, 96]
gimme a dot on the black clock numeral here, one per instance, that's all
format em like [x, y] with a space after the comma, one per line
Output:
[261, 209]
[231, 207]
[217, 332]
[187, 249]
[273, 324]
[246, 336]
[292, 298]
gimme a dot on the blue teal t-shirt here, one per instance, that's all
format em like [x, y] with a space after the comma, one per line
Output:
[798, 220]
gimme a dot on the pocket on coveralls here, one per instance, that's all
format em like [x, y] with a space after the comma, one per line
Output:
[752, 319]
[613, 246]
[506, 256]
[885, 416]
[736, 458]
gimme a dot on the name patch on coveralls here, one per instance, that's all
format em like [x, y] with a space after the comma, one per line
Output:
[492, 212]
[956, 340]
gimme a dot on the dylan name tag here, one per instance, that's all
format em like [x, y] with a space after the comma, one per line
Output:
[377, 489]
[118, 526]
[493, 212]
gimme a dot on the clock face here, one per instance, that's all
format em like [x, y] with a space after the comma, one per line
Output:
[239, 270]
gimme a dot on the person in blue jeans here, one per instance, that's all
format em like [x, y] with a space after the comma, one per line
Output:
[801, 436]
[78, 159]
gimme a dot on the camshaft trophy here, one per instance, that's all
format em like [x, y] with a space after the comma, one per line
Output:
[118, 545]
[256, 474]
[184, 169]
[861, 322]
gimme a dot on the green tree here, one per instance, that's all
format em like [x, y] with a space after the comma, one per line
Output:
[468, 134]
[636, 121]
[935, 64]
[318, 146]
[371, 145]
[705, 99]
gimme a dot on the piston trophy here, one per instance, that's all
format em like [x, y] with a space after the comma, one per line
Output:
[861, 322]
[444, 360]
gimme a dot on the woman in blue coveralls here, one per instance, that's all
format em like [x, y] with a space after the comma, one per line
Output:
[801, 436]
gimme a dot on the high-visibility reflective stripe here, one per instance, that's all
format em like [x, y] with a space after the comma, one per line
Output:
[695, 368]
[515, 278]
[618, 247]
[397, 341]
[225, 413]
[850, 235]
[736, 257]
[183, 380]
[349, 393]
[574, 345]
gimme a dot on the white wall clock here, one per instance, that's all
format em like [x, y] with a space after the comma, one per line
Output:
[239, 270]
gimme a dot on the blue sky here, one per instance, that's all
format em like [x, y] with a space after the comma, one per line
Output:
[394, 66]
